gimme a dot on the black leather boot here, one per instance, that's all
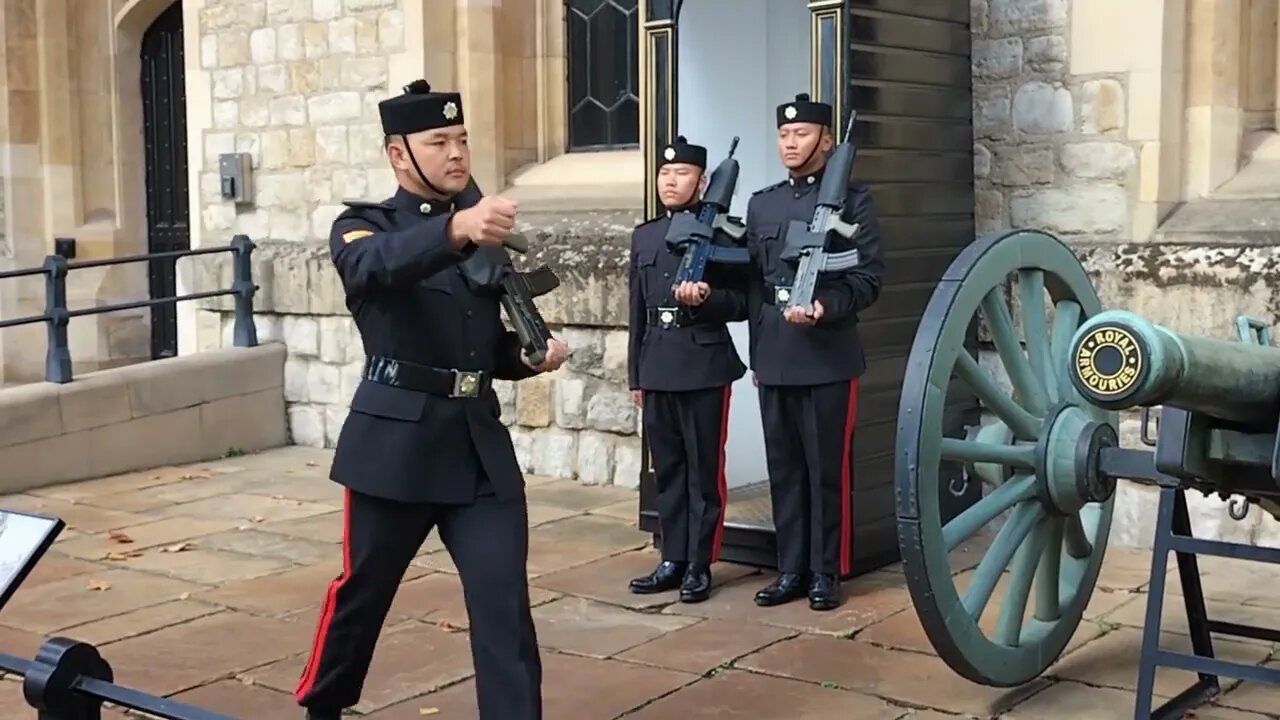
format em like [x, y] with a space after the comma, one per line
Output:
[697, 583]
[667, 576]
[824, 592]
[323, 714]
[787, 587]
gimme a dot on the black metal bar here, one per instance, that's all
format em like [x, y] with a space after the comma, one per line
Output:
[1220, 627]
[1130, 464]
[1204, 666]
[57, 354]
[138, 700]
[244, 333]
[28, 320]
[149, 256]
[1218, 548]
[22, 272]
[98, 310]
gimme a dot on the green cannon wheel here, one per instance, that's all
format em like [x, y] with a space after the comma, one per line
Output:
[1046, 505]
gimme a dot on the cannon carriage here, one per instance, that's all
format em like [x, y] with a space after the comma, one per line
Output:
[1047, 453]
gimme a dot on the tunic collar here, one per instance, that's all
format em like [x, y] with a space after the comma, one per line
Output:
[409, 202]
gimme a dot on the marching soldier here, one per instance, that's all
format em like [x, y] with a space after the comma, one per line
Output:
[423, 447]
[807, 363]
[681, 364]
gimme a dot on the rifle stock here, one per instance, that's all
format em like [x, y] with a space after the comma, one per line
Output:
[805, 244]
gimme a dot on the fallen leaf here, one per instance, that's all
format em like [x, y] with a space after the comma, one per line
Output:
[179, 547]
[201, 475]
[185, 596]
[117, 536]
[122, 554]
[258, 518]
[311, 463]
[247, 681]
[429, 711]
[277, 497]
[99, 585]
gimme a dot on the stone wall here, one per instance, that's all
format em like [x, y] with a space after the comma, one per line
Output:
[1050, 150]
[578, 422]
[296, 85]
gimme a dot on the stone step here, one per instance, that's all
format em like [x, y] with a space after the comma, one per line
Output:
[1222, 221]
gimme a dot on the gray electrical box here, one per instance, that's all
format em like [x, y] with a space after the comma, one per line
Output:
[235, 174]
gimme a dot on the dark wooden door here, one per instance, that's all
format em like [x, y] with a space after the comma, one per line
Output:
[164, 109]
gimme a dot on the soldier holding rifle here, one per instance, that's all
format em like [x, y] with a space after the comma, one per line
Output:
[682, 363]
[806, 354]
[423, 447]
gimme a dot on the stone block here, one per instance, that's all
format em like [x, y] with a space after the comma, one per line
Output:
[391, 30]
[612, 410]
[233, 48]
[586, 346]
[1102, 107]
[331, 144]
[1094, 209]
[1042, 109]
[981, 161]
[93, 400]
[533, 401]
[273, 78]
[334, 417]
[295, 380]
[228, 83]
[595, 458]
[627, 462]
[1098, 160]
[306, 424]
[247, 423]
[992, 116]
[616, 351]
[1024, 165]
[48, 461]
[1046, 54]
[997, 59]
[29, 412]
[522, 441]
[289, 110]
[1020, 17]
[324, 382]
[262, 46]
[571, 402]
[506, 392]
[171, 438]
[338, 339]
[334, 107]
[552, 453]
[325, 9]
[302, 335]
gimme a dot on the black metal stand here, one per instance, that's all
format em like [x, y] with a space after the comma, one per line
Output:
[69, 680]
[1173, 534]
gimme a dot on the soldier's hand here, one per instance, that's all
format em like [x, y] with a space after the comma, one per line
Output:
[800, 316]
[557, 353]
[637, 397]
[488, 222]
[692, 294]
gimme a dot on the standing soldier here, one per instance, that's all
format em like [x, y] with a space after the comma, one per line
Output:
[423, 446]
[807, 362]
[681, 364]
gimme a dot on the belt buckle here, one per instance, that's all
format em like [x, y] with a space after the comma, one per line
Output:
[781, 295]
[667, 317]
[466, 384]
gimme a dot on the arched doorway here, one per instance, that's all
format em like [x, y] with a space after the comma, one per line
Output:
[164, 112]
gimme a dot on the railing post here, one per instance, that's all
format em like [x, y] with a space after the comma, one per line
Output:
[57, 357]
[49, 685]
[244, 332]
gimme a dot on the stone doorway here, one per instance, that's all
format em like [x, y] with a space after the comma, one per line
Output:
[165, 147]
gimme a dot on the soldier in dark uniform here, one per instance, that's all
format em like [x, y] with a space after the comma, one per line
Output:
[807, 364]
[423, 447]
[681, 364]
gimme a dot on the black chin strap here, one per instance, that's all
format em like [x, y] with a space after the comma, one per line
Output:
[421, 175]
[812, 152]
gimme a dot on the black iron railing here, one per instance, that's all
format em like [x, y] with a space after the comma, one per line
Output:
[56, 316]
[69, 680]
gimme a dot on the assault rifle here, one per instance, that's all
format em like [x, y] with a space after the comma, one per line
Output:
[692, 234]
[806, 244]
[490, 266]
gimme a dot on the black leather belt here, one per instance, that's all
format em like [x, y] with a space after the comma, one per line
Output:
[667, 317]
[777, 294]
[437, 381]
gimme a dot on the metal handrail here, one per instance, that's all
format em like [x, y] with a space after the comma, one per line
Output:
[56, 315]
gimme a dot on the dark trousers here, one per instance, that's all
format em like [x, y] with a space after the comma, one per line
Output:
[488, 541]
[808, 440]
[686, 433]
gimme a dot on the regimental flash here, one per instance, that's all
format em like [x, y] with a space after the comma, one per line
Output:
[1108, 362]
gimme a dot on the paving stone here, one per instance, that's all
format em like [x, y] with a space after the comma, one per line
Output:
[1112, 661]
[579, 498]
[251, 541]
[203, 650]
[587, 627]
[75, 601]
[245, 509]
[20, 642]
[139, 480]
[705, 646]
[140, 621]
[287, 459]
[326, 527]
[1236, 581]
[606, 579]
[739, 694]
[207, 567]
[410, 660]
[437, 599]
[456, 702]
[966, 556]
[239, 700]
[314, 488]
[1073, 701]
[435, 562]
[1213, 712]
[1254, 696]
[578, 540]
[1173, 617]
[148, 535]
[278, 593]
[541, 513]
[904, 632]
[13, 706]
[907, 677]
[201, 485]
[1125, 568]
[626, 510]
[54, 567]
[866, 601]
[85, 518]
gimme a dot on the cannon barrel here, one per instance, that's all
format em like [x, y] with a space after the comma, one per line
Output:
[1120, 360]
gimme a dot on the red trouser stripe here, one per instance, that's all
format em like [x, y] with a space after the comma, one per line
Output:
[846, 483]
[326, 611]
[722, 484]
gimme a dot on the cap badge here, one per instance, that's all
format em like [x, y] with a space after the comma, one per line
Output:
[670, 153]
[450, 110]
[790, 112]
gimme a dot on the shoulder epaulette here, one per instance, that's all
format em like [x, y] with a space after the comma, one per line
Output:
[767, 188]
[650, 221]
[369, 204]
